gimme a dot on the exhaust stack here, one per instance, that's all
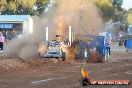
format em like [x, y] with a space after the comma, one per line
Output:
[73, 37]
[70, 35]
[47, 39]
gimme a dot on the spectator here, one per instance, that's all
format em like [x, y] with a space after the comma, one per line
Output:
[1, 41]
[108, 46]
[125, 43]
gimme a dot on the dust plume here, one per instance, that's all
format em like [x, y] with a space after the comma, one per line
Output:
[27, 47]
[61, 26]
[83, 19]
[29, 52]
[82, 15]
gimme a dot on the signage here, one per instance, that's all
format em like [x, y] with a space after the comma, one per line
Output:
[6, 26]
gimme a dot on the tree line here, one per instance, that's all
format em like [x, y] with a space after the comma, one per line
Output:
[22, 7]
[112, 11]
[109, 9]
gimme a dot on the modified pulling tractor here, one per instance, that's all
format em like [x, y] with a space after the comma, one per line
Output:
[54, 50]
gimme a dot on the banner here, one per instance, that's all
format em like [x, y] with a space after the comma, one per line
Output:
[6, 26]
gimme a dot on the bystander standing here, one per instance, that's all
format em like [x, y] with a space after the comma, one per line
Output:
[2, 39]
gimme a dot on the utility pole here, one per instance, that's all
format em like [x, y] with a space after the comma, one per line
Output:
[81, 16]
[80, 20]
[16, 7]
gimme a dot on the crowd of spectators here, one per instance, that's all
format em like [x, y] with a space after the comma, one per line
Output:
[6, 36]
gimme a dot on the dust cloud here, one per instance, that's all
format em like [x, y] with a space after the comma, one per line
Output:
[83, 19]
[27, 47]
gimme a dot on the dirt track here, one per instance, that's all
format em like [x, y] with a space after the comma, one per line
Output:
[119, 66]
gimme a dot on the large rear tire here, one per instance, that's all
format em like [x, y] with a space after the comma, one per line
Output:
[63, 56]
